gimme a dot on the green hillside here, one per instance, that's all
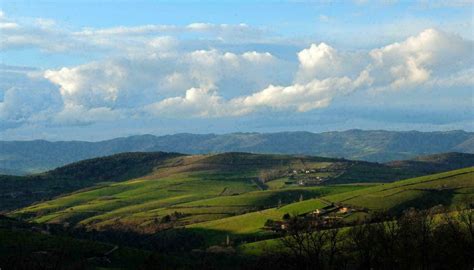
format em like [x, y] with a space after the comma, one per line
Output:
[449, 189]
[201, 188]
[20, 191]
[250, 171]
[192, 189]
[161, 199]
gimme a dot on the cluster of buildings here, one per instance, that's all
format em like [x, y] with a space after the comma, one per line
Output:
[320, 218]
[306, 177]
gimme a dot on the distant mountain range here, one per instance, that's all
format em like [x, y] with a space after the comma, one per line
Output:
[23, 157]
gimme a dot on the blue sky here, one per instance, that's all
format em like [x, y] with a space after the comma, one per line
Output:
[100, 69]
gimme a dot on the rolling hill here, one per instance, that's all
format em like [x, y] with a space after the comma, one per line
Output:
[20, 191]
[24, 190]
[146, 209]
[23, 157]
[178, 179]
[149, 192]
[449, 189]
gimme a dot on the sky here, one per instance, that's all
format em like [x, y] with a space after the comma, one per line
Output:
[94, 70]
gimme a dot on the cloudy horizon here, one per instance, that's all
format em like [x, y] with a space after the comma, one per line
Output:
[66, 74]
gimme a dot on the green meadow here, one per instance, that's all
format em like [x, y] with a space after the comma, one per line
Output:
[450, 189]
[220, 197]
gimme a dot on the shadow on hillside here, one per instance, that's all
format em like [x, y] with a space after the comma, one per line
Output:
[21, 191]
[430, 198]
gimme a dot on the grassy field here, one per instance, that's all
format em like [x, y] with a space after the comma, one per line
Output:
[447, 188]
[220, 195]
[190, 188]
[22, 191]
[135, 199]
[197, 197]
[450, 188]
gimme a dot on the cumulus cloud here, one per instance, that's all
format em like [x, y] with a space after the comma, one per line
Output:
[301, 97]
[133, 82]
[25, 97]
[73, 114]
[153, 76]
[323, 61]
[430, 55]
[197, 102]
[430, 59]
[23, 104]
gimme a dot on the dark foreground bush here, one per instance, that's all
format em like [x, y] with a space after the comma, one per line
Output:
[430, 239]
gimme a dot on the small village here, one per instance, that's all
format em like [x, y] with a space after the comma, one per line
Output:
[314, 176]
[326, 217]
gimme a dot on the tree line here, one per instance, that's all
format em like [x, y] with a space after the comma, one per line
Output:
[418, 239]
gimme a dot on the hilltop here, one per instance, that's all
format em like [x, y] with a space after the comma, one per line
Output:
[23, 157]
[435, 163]
[20, 191]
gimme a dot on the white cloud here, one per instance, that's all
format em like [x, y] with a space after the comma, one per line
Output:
[197, 102]
[8, 25]
[432, 54]
[118, 83]
[25, 98]
[73, 114]
[258, 57]
[167, 29]
[136, 81]
[155, 76]
[429, 59]
[163, 43]
[323, 61]
[462, 78]
[429, 55]
[319, 61]
[20, 104]
[301, 97]
[47, 35]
